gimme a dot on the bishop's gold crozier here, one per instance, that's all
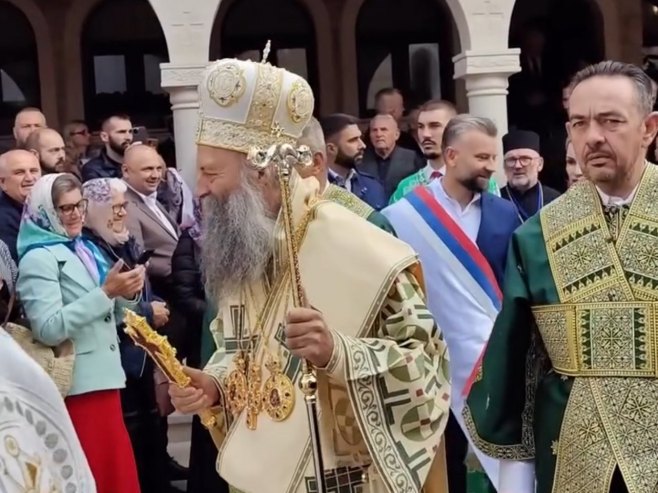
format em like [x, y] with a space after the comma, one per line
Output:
[164, 355]
[284, 158]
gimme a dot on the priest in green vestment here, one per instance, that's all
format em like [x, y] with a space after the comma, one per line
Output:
[566, 393]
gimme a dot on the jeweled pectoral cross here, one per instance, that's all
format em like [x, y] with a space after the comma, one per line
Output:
[254, 395]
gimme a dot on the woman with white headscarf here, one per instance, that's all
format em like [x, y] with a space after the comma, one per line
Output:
[105, 227]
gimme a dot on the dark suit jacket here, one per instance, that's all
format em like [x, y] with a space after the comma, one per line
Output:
[499, 221]
[390, 172]
[366, 188]
[10, 221]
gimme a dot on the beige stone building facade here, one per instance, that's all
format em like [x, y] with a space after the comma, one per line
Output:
[81, 59]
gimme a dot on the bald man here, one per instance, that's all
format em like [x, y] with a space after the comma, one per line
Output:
[48, 145]
[148, 220]
[117, 135]
[19, 171]
[385, 159]
[154, 229]
[27, 121]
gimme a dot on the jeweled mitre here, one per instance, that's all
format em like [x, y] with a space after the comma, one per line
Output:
[246, 104]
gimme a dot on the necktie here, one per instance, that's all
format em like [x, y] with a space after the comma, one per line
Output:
[435, 175]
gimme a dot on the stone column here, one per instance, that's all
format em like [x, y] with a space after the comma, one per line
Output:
[181, 81]
[486, 76]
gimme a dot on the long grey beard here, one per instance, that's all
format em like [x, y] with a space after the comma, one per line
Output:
[238, 241]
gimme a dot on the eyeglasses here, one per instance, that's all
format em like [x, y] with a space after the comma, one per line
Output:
[67, 209]
[80, 132]
[118, 208]
[524, 161]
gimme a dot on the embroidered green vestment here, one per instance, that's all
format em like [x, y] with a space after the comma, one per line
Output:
[569, 375]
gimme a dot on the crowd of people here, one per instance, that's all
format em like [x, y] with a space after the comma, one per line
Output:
[447, 318]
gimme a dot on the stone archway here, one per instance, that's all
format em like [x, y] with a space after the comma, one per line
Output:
[73, 25]
[81, 61]
[319, 16]
[348, 45]
[609, 10]
[454, 18]
[45, 55]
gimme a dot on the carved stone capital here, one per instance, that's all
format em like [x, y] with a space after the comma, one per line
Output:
[177, 75]
[480, 62]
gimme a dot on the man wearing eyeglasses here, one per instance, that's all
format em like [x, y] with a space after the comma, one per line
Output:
[522, 166]
[117, 135]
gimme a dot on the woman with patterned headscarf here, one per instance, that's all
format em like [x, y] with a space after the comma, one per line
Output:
[71, 292]
[106, 228]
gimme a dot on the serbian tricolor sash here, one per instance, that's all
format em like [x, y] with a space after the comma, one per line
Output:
[462, 292]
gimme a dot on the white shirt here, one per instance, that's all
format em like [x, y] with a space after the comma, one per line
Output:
[428, 170]
[151, 202]
[468, 218]
[609, 200]
[348, 180]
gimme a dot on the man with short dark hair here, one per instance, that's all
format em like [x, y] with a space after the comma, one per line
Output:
[567, 392]
[344, 151]
[117, 135]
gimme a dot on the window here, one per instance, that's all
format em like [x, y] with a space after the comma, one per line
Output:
[110, 74]
[407, 46]
[123, 47]
[19, 66]
[241, 34]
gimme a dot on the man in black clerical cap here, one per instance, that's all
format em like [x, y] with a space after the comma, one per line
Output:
[522, 166]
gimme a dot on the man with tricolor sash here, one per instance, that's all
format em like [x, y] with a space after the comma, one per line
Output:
[567, 393]
[461, 234]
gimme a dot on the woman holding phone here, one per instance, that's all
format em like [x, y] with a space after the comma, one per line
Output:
[105, 226]
[71, 292]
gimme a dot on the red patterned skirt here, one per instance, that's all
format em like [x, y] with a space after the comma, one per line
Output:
[98, 421]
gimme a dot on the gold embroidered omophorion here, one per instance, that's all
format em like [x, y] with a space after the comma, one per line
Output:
[604, 334]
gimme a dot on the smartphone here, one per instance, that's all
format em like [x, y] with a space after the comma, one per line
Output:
[144, 257]
[140, 134]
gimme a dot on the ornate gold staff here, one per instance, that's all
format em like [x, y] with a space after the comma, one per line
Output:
[284, 157]
[164, 355]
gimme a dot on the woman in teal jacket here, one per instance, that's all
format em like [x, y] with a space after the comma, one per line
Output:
[69, 292]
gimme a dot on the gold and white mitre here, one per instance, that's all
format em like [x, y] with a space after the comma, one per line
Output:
[246, 104]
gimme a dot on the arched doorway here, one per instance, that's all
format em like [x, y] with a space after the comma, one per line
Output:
[557, 38]
[122, 48]
[19, 65]
[573, 29]
[243, 27]
[407, 45]
[650, 36]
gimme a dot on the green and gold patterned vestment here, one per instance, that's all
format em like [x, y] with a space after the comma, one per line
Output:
[350, 201]
[568, 379]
